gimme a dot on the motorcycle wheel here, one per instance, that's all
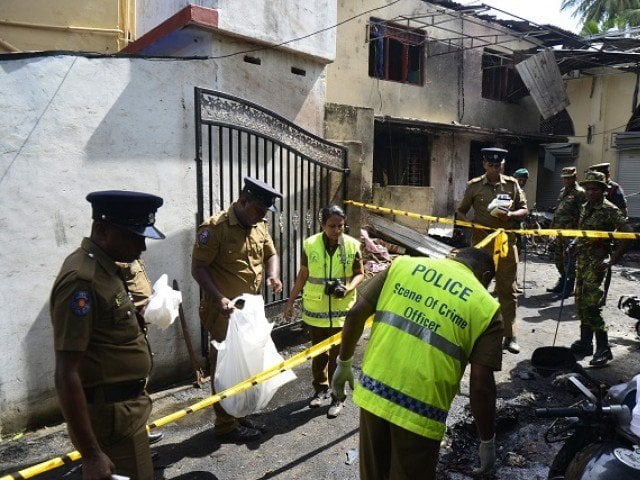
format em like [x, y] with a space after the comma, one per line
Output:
[566, 454]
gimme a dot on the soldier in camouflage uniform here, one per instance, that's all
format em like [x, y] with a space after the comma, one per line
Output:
[593, 259]
[614, 192]
[566, 215]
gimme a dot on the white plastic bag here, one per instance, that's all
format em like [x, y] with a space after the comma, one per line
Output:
[500, 205]
[248, 350]
[162, 308]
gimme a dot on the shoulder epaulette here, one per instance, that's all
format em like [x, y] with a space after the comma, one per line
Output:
[87, 268]
[474, 180]
[216, 219]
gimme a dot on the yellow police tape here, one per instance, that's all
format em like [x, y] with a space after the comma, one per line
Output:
[261, 377]
[551, 232]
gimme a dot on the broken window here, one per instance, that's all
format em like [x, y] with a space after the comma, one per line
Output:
[400, 156]
[396, 52]
[500, 80]
[559, 124]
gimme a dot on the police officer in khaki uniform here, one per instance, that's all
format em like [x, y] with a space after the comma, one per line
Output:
[139, 286]
[102, 354]
[229, 254]
[480, 193]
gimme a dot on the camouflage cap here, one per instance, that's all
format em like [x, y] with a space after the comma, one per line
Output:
[594, 177]
[568, 172]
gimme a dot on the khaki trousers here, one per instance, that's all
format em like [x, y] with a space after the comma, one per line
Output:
[323, 366]
[389, 452]
[505, 283]
[121, 430]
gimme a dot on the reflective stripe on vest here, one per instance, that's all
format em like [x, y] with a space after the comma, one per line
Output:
[424, 334]
[318, 308]
[396, 396]
[429, 315]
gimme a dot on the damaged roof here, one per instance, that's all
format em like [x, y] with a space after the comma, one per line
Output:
[573, 52]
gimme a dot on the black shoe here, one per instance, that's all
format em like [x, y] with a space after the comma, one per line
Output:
[254, 424]
[155, 437]
[511, 345]
[581, 348]
[241, 434]
[601, 357]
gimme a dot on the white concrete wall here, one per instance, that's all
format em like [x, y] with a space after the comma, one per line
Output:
[71, 125]
[270, 21]
[68, 126]
[298, 98]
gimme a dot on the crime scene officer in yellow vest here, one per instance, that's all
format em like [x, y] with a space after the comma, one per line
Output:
[232, 250]
[432, 318]
[102, 354]
[497, 200]
[331, 269]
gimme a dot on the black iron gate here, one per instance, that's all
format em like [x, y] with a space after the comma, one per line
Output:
[236, 138]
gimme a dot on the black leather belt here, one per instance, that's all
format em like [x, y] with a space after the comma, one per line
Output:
[115, 392]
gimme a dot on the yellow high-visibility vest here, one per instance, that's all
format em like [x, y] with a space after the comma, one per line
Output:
[318, 308]
[428, 317]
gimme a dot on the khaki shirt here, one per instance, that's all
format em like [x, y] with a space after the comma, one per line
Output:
[487, 350]
[480, 192]
[92, 312]
[138, 283]
[235, 254]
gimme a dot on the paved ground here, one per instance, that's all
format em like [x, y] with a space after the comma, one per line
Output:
[304, 444]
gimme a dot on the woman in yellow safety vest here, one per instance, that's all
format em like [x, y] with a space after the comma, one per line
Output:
[331, 269]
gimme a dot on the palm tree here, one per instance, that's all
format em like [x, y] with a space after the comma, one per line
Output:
[604, 12]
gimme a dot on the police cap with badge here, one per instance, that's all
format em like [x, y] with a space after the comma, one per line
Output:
[600, 167]
[261, 192]
[133, 211]
[494, 154]
[568, 172]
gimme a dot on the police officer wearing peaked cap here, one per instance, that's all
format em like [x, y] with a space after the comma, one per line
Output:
[262, 191]
[232, 254]
[482, 194]
[102, 355]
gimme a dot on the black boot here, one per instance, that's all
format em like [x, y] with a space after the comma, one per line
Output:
[603, 351]
[584, 346]
[558, 286]
[568, 289]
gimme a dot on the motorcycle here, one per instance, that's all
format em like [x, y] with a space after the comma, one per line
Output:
[631, 306]
[598, 442]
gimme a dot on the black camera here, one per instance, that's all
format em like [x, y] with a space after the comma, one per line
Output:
[335, 288]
